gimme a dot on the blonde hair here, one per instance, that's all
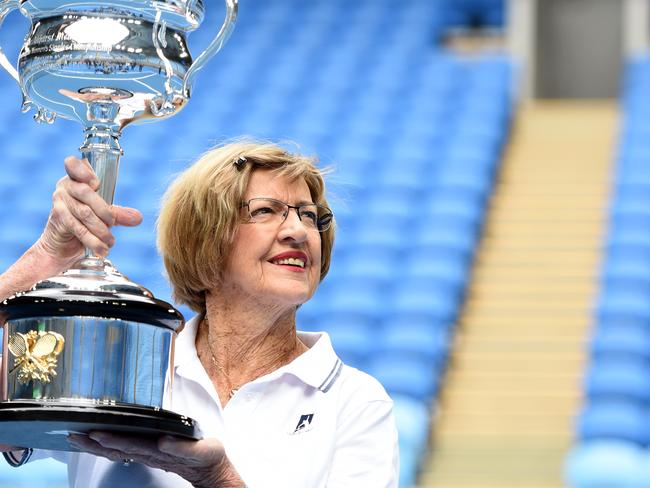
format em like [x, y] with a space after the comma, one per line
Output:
[201, 211]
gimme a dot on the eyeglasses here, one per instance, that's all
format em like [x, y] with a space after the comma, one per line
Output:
[270, 210]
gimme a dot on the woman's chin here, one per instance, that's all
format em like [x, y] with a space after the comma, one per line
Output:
[292, 297]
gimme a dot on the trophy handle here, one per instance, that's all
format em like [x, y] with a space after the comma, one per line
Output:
[214, 47]
[7, 6]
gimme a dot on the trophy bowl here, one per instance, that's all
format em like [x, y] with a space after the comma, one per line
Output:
[89, 349]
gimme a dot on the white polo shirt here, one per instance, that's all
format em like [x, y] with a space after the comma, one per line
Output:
[312, 423]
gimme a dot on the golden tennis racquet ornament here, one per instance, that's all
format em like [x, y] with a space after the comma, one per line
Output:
[35, 353]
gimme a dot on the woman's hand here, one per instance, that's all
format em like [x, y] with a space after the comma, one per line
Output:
[80, 217]
[203, 463]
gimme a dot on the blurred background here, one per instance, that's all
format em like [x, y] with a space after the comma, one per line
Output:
[491, 188]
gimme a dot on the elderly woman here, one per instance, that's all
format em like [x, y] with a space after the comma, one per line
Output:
[246, 236]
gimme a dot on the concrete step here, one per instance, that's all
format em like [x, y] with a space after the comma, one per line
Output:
[497, 379]
[477, 462]
[512, 273]
[530, 291]
[509, 324]
[505, 416]
[539, 341]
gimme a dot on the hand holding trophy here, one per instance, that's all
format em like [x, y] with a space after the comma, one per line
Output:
[89, 349]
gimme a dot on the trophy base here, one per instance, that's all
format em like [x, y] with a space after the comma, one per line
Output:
[46, 425]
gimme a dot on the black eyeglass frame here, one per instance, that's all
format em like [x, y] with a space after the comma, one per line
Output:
[323, 222]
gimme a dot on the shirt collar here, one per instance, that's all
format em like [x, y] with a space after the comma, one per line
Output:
[318, 367]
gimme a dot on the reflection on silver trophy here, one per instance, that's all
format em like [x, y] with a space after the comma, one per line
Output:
[90, 349]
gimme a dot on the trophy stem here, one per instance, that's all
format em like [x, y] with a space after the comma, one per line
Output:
[102, 149]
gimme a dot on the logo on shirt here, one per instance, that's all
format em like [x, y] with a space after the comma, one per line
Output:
[304, 424]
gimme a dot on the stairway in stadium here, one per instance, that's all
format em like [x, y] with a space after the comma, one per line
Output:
[512, 390]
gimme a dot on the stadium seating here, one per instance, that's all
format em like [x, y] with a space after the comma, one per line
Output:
[414, 133]
[612, 436]
[610, 463]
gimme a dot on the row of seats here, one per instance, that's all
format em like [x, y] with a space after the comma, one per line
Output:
[405, 246]
[475, 13]
[612, 428]
[414, 135]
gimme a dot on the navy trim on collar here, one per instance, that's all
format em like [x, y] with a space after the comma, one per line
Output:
[332, 377]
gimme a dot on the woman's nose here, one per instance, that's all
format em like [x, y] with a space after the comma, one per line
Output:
[293, 227]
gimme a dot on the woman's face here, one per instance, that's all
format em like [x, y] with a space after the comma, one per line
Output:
[258, 266]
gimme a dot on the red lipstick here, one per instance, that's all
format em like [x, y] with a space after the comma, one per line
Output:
[291, 255]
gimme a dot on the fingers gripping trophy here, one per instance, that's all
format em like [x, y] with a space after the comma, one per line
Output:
[89, 349]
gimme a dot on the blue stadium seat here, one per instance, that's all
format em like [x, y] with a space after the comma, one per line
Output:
[447, 232]
[380, 231]
[611, 464]
[630, 199]
[620, 339]
[620, 234]
[622, 303]
[475, 148]
[358, 296]
[374, 263]
[403, 149]
[400, 205]
[614, 420]
[410, 458]
[618, 378]
[397, 322]
[416, 180]
[135, 258]
[626, 264]
[412, 419]
[416, 339]
[406, 375]
[431, 300]
[353, 339]
[474, 13]
[477, 183]
[449, 267]
[464, 207]
[632, 215]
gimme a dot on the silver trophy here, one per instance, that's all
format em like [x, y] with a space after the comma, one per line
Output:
[89, 349]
